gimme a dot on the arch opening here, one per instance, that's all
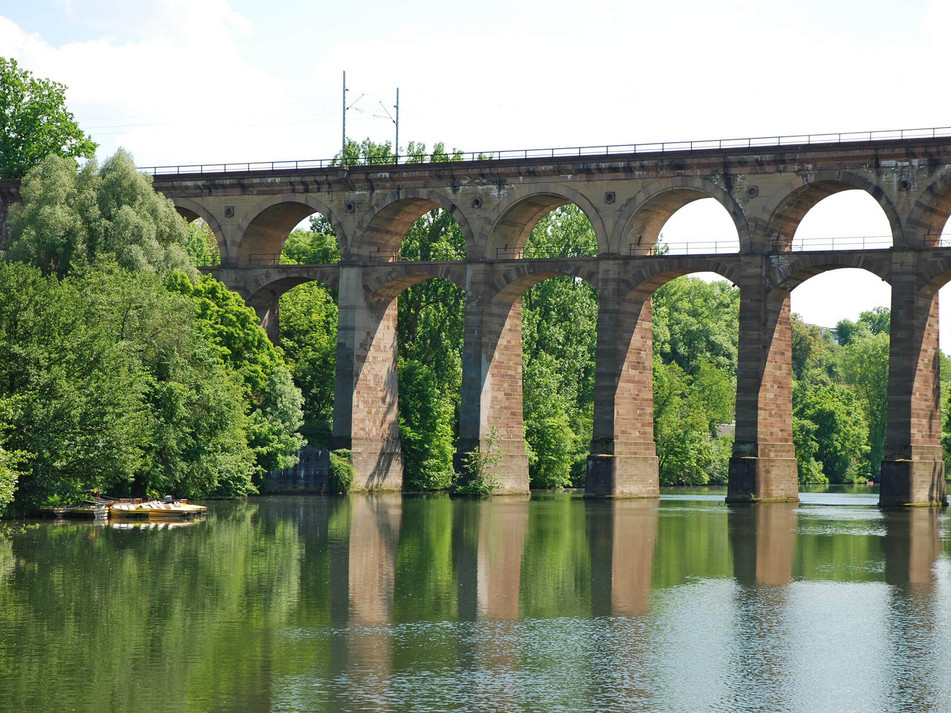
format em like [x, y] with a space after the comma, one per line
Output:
[832, 216]
[412, 230]
[313, 241]
[433, 236]
[840, 350]
[430, 334]
[543, 226]
[556, 316]
[265, 238]
[690, 224]
[308, 315]
[694, 351]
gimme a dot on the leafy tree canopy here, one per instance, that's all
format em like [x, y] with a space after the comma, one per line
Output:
[34, 122]
[70, 217]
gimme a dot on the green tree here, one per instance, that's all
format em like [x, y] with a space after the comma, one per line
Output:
[559, 337]
[201, 244]
[689, 451]
[811, 351]
[309, 340]
[69, 396]
[865, 368]
[806, 445]
[196, 441]
[696, 321]
[274, 402]
[841, 431]
[317, 246]
[68, 218]
[34, 122]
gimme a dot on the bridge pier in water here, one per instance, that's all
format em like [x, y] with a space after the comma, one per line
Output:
[366, 416]
[490, 417]
[913, 469]
[623, 459]
[763, 467]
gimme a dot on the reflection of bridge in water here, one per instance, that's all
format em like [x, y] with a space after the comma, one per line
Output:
[633, 558]
[766, 190]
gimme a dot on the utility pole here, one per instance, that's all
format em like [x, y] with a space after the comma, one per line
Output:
[343, 141]
[397, 122]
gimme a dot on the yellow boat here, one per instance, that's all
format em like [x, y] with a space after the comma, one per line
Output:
[156, 510]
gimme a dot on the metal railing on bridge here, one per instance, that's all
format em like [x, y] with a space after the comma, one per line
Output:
[708, 247]
[567, 151]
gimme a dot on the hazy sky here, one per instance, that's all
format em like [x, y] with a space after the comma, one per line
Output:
[192, 81]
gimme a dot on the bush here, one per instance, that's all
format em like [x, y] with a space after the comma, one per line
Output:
[478, 466]
[341, 470]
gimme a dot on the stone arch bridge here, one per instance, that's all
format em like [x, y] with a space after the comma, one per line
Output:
[627, 197]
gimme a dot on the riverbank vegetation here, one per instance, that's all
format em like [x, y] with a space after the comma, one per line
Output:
[123, 371]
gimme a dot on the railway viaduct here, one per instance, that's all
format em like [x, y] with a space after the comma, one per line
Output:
[628, 197]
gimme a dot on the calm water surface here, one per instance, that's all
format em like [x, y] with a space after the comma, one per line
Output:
[383, 603]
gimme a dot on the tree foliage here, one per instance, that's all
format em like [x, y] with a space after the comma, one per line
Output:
[70, 218]
[121, 375]
[841, 431]
[109, 385]
[34, 122]
[559, 337]
[274, 402]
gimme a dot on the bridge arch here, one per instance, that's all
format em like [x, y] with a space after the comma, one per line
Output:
[628, 452]
[383, 286]
[392, 350]
[644, 216]
[930, 214]
[511, 229]
[798, 269]
[790, 204]
[193, 210]
[389, 218]
[266, 225]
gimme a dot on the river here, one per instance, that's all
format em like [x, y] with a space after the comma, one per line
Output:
[554, 603]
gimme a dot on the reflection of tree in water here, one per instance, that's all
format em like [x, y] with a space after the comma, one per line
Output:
[104, 614]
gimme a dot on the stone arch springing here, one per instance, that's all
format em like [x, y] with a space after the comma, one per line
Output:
[271, 221]
[302, 315]
[644, 218]
[791, 210]
[393, 221]
[511, 233]
[201, 224]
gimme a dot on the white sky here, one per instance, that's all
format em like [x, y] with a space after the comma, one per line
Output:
[211, 81]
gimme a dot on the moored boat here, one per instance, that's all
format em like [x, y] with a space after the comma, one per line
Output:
[156, 509]
[85, 511]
